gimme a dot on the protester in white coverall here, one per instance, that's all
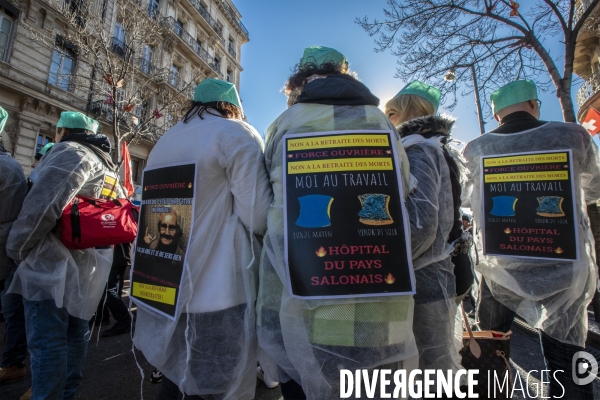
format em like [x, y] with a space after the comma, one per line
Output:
[61, 288]
[209, 350]
[433, 213]
[551, 295]
[13, 188]
[323, 96]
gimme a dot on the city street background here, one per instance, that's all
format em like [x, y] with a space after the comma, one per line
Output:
[111, 373]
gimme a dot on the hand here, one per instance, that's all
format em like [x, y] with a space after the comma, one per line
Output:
[148, 238]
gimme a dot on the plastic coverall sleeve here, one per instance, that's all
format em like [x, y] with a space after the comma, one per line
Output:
[59, 180]
[590, 171]
[422, 203]
[13, 189]
[250, 202]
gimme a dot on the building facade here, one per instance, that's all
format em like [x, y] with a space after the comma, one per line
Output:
[587, 63]
[203, 38]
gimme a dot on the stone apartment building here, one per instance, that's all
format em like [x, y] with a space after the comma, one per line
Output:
[203, 35]
[587, 63]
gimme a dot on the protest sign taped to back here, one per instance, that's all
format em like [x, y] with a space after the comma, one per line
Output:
[528, 205]
[346, 230]
[164, 232]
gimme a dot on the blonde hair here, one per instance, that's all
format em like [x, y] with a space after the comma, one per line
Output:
[409, 106]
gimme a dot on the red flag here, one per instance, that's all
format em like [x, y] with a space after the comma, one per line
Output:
[128, 183]
[591, 122]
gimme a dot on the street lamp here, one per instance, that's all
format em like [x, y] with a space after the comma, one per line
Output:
[451, 76]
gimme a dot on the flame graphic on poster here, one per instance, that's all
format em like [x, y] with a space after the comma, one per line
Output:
[321, 252]
[389, 279]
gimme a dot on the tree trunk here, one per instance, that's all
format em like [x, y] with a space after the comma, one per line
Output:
[477, 101]
[566, 103]
[116, 154]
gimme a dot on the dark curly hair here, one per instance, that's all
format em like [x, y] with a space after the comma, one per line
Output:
[302, 72]
[224, 110]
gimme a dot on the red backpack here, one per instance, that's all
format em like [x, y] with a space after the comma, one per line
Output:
[89, 223]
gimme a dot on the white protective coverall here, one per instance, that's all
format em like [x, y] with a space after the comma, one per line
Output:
[430, 207]
[550, 295]
[210, 347]
[13, 188]
[75, 279]
[382, 333]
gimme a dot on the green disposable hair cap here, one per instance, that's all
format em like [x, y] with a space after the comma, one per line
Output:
[320, 55]
[44, 150]
[76, 120]
[47, 147]
[513, 93]
[3, 118]
[428, 92]
[211, 90]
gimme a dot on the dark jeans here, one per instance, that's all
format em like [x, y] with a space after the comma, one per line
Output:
[495, 316]
[111, 299]
[15, 349]
[170, 391]
[58, 346]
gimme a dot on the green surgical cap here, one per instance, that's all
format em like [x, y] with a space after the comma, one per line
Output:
[513, 93]
[3, 118]
[43, 151]
[210, 90]
[76, 120]
[428, 92]
[47, 147]
[319, 55]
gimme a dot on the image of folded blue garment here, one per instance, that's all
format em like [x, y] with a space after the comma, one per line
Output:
[315, 211]
[550, 206]
[375, 209]
[504, 206]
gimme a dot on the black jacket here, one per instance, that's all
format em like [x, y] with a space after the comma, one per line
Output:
[337, 90]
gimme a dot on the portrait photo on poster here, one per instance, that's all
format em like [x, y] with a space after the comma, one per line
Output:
[346, 230]
[528, 205]
[165, 224]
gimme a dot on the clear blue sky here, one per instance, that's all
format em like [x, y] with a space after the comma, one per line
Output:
[281, 29]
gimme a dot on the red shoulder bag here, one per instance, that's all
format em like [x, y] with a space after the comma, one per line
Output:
[89, 223]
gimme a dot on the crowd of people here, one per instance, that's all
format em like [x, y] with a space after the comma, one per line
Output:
[234, 306]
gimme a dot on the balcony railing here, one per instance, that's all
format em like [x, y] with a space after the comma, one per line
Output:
[589, 88]
[100, 109]
[119, 47]
[207, 17]
[233, 16]
[146, 67]
[580, 8]
[190, 42]
[231, 51]
[186, 89]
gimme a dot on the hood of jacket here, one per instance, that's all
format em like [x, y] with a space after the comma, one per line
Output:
[428, 126]
[338, 90]
[98, 144]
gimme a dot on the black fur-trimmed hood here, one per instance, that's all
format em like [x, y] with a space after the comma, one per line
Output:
[428, 126]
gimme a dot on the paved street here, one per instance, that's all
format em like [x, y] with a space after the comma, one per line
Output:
[111, 373]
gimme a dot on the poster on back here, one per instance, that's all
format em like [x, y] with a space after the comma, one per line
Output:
[528, 205]
[346, 229]
[163, 235]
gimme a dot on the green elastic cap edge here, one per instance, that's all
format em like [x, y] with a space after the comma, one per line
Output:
[211, 90]
[320, 55]
[428, 92]
[513, 93]
[76, 120]
[3, 118]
